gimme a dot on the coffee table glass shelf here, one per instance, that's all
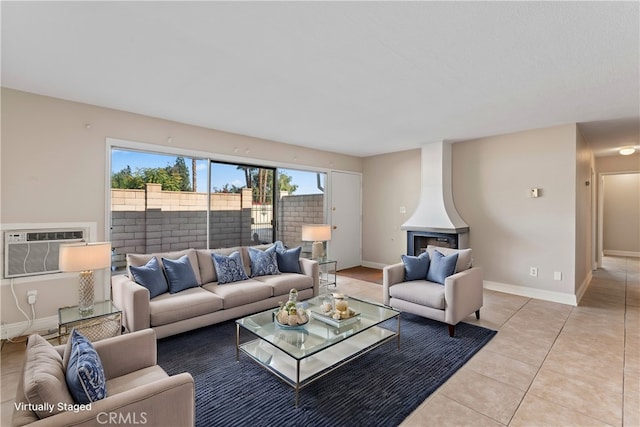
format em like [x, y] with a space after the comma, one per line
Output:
[302, 355]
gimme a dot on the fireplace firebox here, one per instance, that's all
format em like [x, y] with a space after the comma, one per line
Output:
[417, 241]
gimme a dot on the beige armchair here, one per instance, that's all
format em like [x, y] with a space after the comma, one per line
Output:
[460, 296]
[138, 390]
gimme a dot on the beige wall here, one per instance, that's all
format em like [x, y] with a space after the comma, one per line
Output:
[491, 178]
[609, 166]
[621, 220]
[390, 181]
[510, 231]
[49, 155]
[585, 198]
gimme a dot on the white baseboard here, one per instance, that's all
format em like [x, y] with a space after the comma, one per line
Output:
[621, 253]
[376, 265]
[542, 294]
[13, 330]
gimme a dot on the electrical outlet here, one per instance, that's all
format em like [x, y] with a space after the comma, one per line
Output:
[557, 275]
[533, 271]
[32, 297]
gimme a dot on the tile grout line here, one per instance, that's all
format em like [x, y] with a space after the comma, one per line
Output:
[526, 393]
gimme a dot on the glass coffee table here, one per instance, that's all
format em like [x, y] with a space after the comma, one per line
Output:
[301, 355]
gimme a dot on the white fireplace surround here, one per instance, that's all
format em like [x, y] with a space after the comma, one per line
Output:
[436, 211]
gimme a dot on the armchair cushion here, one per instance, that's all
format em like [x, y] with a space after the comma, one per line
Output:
[416, 267]
[43, 378]
[465, 258]
[85, 375]
[420, 292]
[441, 267]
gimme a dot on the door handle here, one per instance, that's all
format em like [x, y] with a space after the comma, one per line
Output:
[335, 227]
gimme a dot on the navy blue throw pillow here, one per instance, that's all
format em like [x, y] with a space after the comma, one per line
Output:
[415, 267]
[441, 267]
[85, 375]
[288, 259]
[151, 277]
[180, 274]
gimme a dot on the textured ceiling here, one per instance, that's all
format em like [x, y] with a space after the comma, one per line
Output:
[359, 78]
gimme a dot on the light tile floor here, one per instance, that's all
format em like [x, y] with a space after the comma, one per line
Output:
[549, 365]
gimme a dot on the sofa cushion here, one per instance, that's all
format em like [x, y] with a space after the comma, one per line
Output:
[85, 375]
[43, 377]
[284, 282]
[263, 263]
[151, 277]
[169, 308]
[416, 267]
[229, 268]
[465, 257]
[180, 274]
[419, 292]
[441, 267]
[288, 259]
[142, 259]
[241, 293]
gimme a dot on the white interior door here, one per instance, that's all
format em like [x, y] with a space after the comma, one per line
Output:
[345, 216]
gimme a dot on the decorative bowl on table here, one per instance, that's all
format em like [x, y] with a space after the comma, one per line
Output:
[291, 315]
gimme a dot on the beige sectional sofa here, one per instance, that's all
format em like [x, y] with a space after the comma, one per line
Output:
[209, 302]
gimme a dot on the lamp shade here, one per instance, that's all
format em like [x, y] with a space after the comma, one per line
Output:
[316, 232]
[84, 256]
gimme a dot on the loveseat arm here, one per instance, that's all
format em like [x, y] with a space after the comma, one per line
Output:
[310, 267]
[127, 353]
[133, 300]
[167, 402]
[391, 275]
[463, 294]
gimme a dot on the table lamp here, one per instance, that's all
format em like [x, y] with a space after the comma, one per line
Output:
[316, 233]
[84, 258]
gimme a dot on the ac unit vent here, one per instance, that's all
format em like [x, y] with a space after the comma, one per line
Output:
[32, 252]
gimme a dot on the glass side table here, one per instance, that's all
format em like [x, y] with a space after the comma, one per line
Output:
[328, 268]
[104, 322]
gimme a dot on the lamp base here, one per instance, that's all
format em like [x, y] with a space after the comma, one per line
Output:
[85, 293]
[317, 250]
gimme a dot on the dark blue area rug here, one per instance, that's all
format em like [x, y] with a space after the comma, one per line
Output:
[380, 388]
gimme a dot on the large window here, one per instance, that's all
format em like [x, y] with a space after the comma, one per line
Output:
[162, 202]
[300, 201]
[158, 203]
[242, 205]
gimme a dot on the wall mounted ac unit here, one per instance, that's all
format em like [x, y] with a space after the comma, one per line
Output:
[32, 252]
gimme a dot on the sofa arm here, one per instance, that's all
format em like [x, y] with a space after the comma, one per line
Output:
[462, 294]
[133, 300]
[127, 353]
[166, 402]
[391, 275]
[310, 267]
